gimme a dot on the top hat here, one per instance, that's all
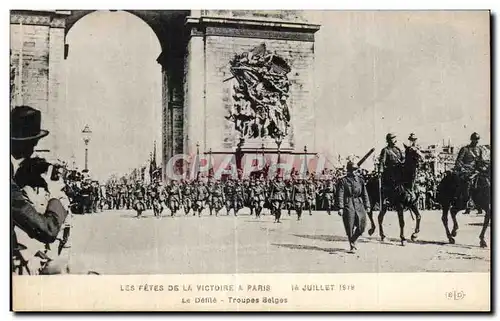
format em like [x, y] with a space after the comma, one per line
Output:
[412, 137]
[25, 124]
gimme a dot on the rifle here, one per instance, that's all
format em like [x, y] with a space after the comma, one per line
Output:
[362, 160]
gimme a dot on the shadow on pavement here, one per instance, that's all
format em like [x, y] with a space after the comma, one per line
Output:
[331, 250]
[462, 256]
[328, 238]
[462, 246]
[135, 216]
[478, 224]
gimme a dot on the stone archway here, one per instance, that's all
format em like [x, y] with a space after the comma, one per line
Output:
[169, 28]
[43, 38]
[197, 46]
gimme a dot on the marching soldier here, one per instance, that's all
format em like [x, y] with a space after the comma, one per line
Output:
[239, 197]
[277, 197]
[353, 204]
[115, 197]
[229, 192]
[217, 200]
[155, 197]
[288, 195]
[123, 195]
[174, 197]
[329, 195]
[201, 195]
[299, 194]
[139, 194]
[86, 196]
[95, 196]
[257, 197]
[311, 196]
[187, 196]
[131, 196]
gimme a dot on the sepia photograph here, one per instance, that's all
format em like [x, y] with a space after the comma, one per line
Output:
[231, 160]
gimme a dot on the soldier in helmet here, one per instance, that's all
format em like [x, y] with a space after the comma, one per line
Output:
[299, 194]
[217, 199]
[311, 191]
[467, 161]
[277, 197]
[469, 155]
[139, 206]
[390, 161]
[353, 202]
[174, 197]
[201, 194]
[229, 192]
[288, 195]
[328, 195]
[187, 194]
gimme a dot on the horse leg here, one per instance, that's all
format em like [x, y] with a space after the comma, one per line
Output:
[486, 222]
[444, 218]
[372, 223]
[418, 217]
[381, 215]
[401, 220]
[454, 213]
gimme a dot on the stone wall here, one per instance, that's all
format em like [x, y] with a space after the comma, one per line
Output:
[38, 37]
[220, 50]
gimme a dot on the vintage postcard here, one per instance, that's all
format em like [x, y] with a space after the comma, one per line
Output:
[239, 160]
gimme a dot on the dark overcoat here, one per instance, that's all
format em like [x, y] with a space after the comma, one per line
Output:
[352, 196]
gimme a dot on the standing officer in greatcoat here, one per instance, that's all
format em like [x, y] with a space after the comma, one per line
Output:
[353, 202]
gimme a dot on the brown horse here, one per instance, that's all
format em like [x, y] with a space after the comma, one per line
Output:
[400, 196]
[453, 196]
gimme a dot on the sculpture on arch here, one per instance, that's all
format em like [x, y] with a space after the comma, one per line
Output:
[260, 96]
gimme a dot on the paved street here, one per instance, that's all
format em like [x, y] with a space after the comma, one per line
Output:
[114, 242]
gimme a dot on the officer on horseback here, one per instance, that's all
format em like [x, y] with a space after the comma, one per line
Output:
[469, 155]
[391, 159]
[467, 161]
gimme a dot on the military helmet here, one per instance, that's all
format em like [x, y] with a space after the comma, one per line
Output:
[389, 136]
[351, 166]
[474, 136]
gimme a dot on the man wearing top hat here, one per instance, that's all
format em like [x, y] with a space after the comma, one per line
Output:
[415, 148]
[39, 215]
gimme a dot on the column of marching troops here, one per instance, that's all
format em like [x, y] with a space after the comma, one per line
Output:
[221, 196]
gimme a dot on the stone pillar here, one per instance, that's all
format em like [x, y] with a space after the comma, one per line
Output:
[166, 124]
[56, 90]
[195, 91]
[173, 105]
[37, 39]
[214, 41]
